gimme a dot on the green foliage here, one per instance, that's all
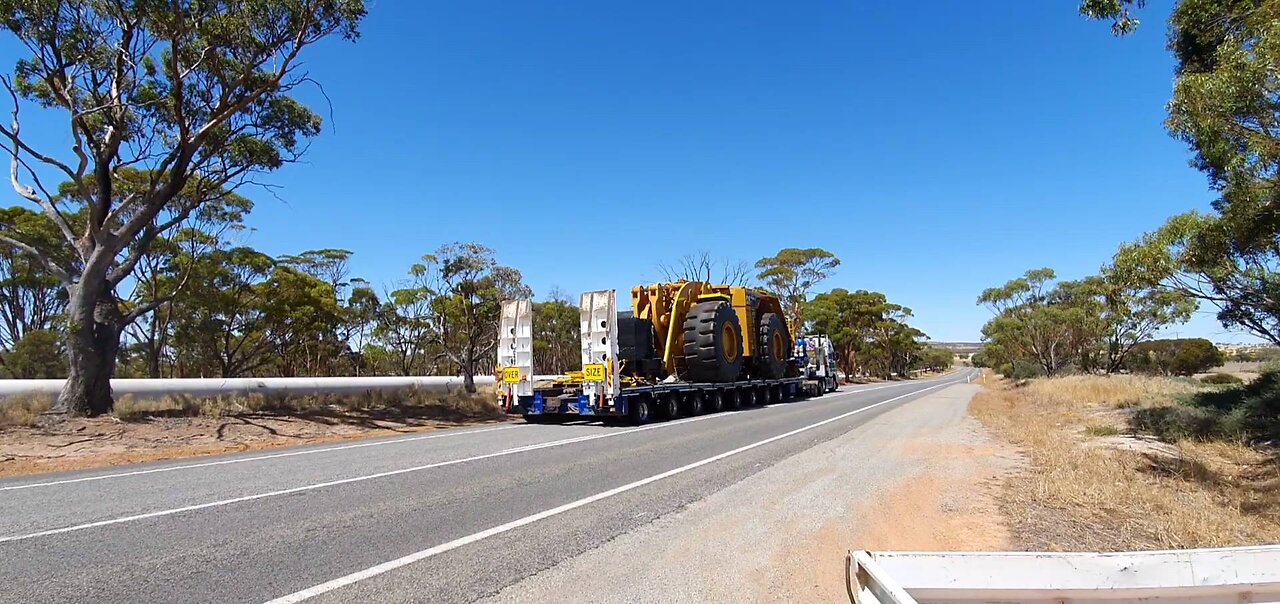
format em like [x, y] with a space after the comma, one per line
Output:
[556, 339]
[1221, 379]
[934, 358]
[1223, 107]
[169, 106]
[38, 355]
[30, 297]
[1098, 430]
[454, 303]
[1021, 370]
[792, 274]
[1119, 12]
[870, 334]
[1175, 357]
[1175, 423]
[1093, 323]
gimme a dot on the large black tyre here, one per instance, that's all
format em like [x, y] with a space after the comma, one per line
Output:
[772, 349]
[712, 343]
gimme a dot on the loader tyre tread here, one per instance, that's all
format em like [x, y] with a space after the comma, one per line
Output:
[712, 343]
[773, 348]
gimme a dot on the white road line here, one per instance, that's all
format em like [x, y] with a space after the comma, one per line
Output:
[286, 454]
[248, 459]
[321, 485]
[385, 567]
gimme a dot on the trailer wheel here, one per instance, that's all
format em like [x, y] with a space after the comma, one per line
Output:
[747, 397]
[775, 394]
[641, 409]
[535, 418]
[715, 401]
[731, 399]
[694, 403]
[669, 405]
[712, 342]
[762, 395]
[772, 349]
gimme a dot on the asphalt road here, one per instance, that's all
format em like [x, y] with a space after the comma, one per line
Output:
[446, 517]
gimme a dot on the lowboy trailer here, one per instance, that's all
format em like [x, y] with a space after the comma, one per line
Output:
[622, 375]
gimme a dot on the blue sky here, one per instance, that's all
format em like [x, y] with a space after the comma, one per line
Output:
[937, 149]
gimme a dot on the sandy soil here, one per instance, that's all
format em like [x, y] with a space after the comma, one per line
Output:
[923, 476]
[91, 443]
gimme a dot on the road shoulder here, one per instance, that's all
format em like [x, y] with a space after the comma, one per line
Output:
[921, 476]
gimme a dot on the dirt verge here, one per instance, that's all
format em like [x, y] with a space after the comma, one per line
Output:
[153, 433]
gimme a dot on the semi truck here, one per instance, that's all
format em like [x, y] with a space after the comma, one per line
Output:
[684, 348]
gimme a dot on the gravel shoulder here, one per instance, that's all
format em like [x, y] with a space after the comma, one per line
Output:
[922, 476]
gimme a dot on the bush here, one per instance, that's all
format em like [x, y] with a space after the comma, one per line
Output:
[1251, 412]
[1101, 430]
[1174, 357]
[23, 409]
[1176, 423]
[1021, 370]
[1221, 379]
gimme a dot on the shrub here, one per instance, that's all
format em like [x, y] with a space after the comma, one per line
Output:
[1101, 430]
[23, 409]
[1174, 357]
[1175, 423]
[1021, 370]
[1221, 379]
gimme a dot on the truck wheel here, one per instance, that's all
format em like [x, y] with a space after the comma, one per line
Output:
[641, 410]
[712, 342]
[772, 349]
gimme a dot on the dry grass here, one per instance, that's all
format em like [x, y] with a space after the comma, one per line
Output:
[403, 403]
[23, 410]
[1096, 498]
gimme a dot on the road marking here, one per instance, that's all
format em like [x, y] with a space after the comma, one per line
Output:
[248, 459]
[385, 567]
[440, 464]
[286, 454]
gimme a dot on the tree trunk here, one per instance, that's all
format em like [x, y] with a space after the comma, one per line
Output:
[468, 371]
[94, 325]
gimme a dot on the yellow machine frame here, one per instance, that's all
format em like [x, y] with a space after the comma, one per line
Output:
[666, 304]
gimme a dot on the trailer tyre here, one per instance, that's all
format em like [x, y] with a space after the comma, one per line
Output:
[669, 406]
[715, 401]
[640, 410]
[712, 343]
[773, 348]
[694, 403]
